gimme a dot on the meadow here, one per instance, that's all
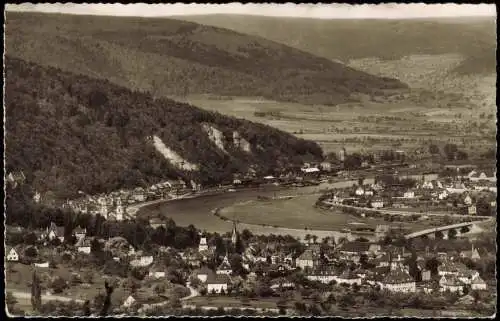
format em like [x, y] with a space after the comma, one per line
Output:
[365, 126]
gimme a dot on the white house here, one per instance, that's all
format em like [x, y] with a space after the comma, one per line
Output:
[203, 246]
[409, 194]
[443, 194]
[216, 283]
[12, 255]
[377, 203]
[84, 245]
[472, 210]
[349, 277]
[478, 284]
[467, 200]
[42, 265]
[143, 261]
[427, 185]
[80, 232]
[368, 192]
[225, 267]
[360, 191]
[451, 283]
[203, 273]
[54, 232]
[128, 302]
[305, 260]
[156, 274]
[398, 280]
[322, 274]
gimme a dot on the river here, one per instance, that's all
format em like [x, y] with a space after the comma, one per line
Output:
[198, 210]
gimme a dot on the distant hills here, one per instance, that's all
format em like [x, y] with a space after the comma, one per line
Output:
[180, 58]
[348, 39]
[70, 132]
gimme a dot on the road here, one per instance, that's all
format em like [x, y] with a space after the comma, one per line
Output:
[27, 296]
[390, 212]
[192, 293]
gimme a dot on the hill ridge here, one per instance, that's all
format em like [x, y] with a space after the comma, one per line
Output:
[171, 57]
[71, 132]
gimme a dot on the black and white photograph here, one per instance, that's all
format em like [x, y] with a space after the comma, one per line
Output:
[270, 160]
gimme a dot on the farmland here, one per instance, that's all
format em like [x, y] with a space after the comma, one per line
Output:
[369, 126]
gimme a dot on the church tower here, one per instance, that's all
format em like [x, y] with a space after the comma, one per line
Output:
[234, 237]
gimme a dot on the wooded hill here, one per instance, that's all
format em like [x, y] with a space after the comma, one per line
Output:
[344, 39]
[173, 57]
[70, 132]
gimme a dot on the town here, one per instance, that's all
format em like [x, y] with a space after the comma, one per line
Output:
[266, 160]
[157, 267]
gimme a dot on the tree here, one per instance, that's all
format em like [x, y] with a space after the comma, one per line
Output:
[450, 151]
[58, 284]
[31, 252]
[36, 293]
[452, 234]
[107, 299]
[432, 265]
[433, 149]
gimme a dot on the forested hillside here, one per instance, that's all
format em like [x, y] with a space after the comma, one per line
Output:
[346, 39]
[70, 132]
[173, 57]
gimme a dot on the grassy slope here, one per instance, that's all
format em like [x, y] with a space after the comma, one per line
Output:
[70, 133]
[473, 38]
[173, 57]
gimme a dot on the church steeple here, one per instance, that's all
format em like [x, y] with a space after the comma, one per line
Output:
[234, 237]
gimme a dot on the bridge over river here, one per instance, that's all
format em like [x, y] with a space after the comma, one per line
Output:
[431, 232]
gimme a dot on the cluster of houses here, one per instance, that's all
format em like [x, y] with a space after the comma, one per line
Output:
[343, 264]
[365, 264]
[113, 206]
[462, 195]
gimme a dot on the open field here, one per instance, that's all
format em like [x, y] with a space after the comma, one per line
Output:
[227, 302]
[19, 279]
[370, 125]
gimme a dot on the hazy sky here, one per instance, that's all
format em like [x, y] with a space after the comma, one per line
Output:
[392, 11]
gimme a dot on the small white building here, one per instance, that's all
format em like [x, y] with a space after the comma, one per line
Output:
[467, 200]
[203, 246]
[478, 284]
[472, 210]
[84, 245]
[225, 267]
[398, 280]
[129, 301]
[349, 277]
[451, 283]
[216, 283]
[377, 203]
[305, 260]
[156, 274]
[203, 273]
[443, 194]
[360, 191]
[12, 255]
[409, 194]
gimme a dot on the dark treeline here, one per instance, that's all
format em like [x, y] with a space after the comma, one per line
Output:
[69, 132]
